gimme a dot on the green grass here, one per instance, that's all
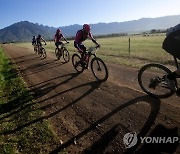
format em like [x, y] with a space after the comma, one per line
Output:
[143, 49]
[20, 131]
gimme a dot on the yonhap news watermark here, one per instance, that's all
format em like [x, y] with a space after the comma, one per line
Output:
[131, 139]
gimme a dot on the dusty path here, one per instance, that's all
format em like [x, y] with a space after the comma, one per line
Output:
[91, 117]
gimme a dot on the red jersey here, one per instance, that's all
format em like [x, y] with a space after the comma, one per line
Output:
[81, 36]
[57, 37]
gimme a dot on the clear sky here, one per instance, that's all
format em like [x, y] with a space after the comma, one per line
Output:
[68, 12]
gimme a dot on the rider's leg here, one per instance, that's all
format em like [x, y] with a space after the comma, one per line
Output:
[56, 44]
[172, 77]
[174, 74]
[83, 48]
[38, 47]
[59, 45]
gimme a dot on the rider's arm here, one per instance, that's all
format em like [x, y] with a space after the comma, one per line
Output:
[43, 40]
[93, 40]
[64, 38]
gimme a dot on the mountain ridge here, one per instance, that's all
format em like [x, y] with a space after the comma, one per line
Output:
[24, 30]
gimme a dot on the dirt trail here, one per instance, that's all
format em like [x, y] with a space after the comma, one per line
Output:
[91, 117]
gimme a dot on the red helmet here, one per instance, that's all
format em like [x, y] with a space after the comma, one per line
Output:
[86, 27]
[58, 31]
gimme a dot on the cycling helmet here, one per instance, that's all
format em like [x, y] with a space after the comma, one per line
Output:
[39, 35]
[86, 27]
[58, 31]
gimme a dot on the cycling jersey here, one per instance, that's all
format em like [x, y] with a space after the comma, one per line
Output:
[57, 37]
[33, 41]
[82, 35]
[171, 44]
[38, 39]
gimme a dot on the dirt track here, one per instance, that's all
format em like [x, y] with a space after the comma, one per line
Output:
[91, 117]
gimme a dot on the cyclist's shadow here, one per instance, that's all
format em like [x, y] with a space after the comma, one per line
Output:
[93, 85]
[48, 86]
[105, 140]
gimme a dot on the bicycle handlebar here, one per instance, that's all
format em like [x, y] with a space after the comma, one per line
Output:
[65, 43]
[90, 49]
[98, 46]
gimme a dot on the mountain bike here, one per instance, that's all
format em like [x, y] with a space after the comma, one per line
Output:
[35, 47]
[98, 67]
[41, 51]
[62, 52]
[152, 79]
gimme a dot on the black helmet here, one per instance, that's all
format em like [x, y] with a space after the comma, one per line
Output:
[39, 35]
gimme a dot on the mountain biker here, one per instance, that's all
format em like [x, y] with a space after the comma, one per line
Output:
[34, 40]
[81, 36]
[39, 39]
[57, 38]
[171, 45]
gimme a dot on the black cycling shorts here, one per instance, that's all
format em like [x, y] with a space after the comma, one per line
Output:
[58, 43]
[80, 45]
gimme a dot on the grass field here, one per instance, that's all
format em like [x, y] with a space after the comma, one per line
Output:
[19, 114]
[143, 49]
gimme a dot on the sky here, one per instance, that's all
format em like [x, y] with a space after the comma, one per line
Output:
[59, 13]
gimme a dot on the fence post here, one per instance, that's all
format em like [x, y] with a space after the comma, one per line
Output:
[129, 45]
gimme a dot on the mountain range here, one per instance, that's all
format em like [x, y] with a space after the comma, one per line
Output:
[24, 30]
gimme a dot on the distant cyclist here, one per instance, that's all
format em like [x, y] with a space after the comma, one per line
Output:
[39, 39]
[81, 36]
[34, 40]
[57, 38]
[171, 44]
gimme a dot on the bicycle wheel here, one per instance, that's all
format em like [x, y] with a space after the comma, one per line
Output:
[66, 55]
[43, 53]
[56, 52]
[35, 48]
[151, 80]
[40, 52]
[76, 61]
[99, 69]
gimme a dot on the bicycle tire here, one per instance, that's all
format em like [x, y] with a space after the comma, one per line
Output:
[40, 52]
[66, 55]
[100, 67]
[153, 73]
[76, 61]
[44, 55]
[56, 52]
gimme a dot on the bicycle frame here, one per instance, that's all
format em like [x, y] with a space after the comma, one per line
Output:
[62, 48]
[91, 54]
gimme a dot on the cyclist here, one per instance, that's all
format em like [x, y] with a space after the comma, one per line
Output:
[81, 36]
[57, 38]
[39, 39]
[34, 40]
[171, 44]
